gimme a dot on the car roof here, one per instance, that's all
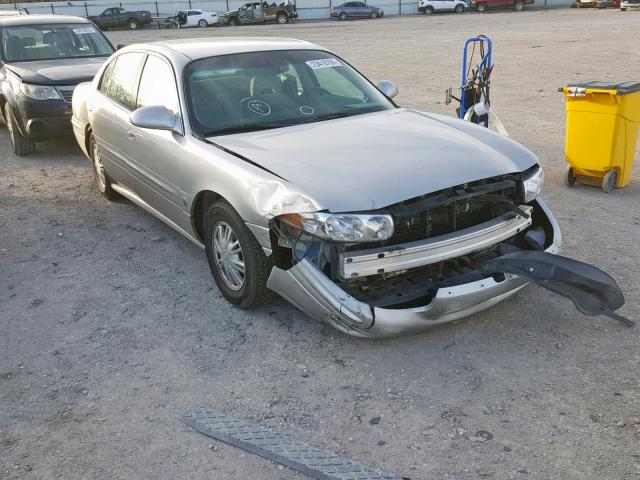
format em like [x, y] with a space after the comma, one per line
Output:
[196, 48]
[40, 19]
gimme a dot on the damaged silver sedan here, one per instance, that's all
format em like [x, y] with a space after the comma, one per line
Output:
[303, 179]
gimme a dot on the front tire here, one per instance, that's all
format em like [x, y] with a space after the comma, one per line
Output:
[20, 144]
[203, 23]
[459, 9]
[282, 18]
[237, 262]
[102, 179]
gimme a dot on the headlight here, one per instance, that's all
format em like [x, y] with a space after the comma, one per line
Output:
[342, 227]
[39, 92]
[532, 186]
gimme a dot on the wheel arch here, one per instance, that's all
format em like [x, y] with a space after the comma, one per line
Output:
[198, 208]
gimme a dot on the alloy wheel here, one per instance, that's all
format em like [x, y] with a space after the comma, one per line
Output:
[101, 177]
[229, 256]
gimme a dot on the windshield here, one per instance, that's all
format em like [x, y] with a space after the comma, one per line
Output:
[22, 43]
[261, 90]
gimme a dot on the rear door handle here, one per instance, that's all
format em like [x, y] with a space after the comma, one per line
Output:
[131, 136]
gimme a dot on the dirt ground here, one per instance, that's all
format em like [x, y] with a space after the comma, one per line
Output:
[111, 327]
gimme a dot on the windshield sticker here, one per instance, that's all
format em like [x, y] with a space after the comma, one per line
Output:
[307, 110]
[84, 30]
[324, 63]
[259, 107]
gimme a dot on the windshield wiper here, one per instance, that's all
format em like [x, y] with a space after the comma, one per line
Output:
[244, 128]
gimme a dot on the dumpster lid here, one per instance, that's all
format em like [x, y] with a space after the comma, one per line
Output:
[622, 88]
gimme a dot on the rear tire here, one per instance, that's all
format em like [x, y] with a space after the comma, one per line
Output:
[238, 264]
[481, 7]
[102, 179]
[459, 9]
[518, 6]
[203, 23]
[133, 24]
[20, 144]
[282, 18]
[428, 10]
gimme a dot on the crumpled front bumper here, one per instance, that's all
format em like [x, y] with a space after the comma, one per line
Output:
[314, 293]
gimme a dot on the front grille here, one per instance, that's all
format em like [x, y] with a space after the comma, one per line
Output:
[444, 219]
[67, 92]
[453, 209]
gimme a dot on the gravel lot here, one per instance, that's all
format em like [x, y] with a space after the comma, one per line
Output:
[111, 327]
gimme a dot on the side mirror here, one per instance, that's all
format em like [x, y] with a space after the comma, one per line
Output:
[155, 117]
[120, 46]
[387, 87]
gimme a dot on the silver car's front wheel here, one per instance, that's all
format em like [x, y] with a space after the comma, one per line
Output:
[229, 256]
[237, 261]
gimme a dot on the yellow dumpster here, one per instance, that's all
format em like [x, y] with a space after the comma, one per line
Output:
[602, 132]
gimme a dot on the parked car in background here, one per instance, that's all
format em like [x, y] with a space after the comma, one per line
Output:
[193, 18]
[262, 12]
[607, 4]
[629, 5]
[9, 13]
[402, 220]
[585, 3]
[483, 5]
[350, 10]
[432, 6]
[43, 58]
[118, 17]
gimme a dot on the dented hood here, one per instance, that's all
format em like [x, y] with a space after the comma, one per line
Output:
[374, 160]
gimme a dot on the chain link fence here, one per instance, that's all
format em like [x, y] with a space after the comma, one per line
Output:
[307, 9]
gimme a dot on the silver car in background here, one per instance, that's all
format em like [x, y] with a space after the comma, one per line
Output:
[351, 10]
[300, 177]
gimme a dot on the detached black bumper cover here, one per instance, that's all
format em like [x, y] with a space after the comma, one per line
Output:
[591, 290]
